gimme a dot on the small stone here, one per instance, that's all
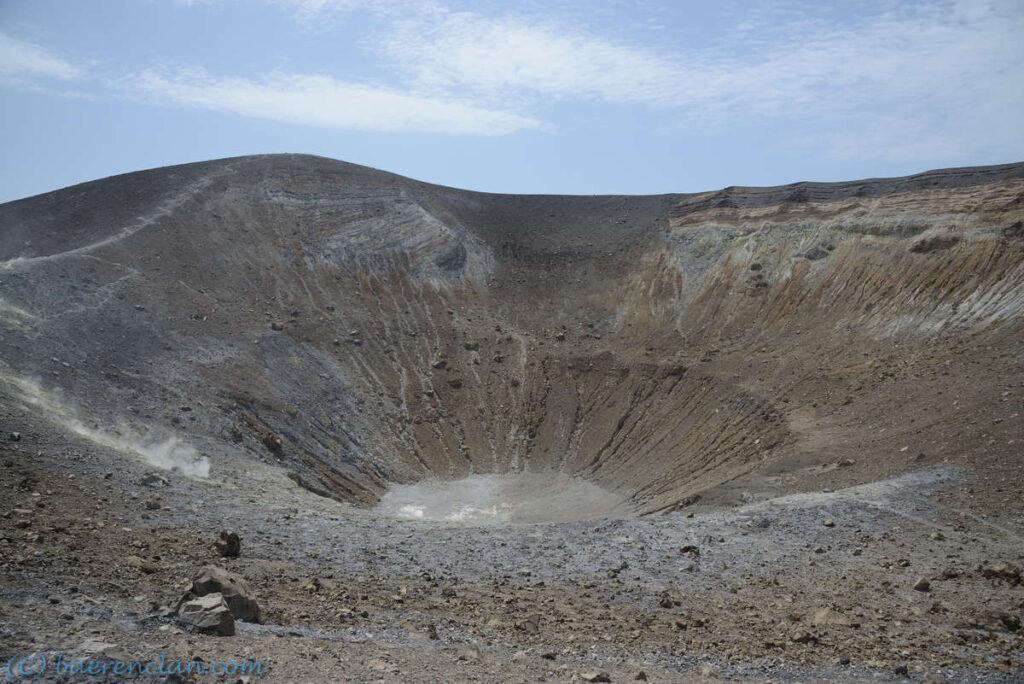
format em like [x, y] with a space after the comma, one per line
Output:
[154, 480]
[641, 676]
[15, 437]
[276, 326]
[103, 648]
[142, 565]
[922, 584]
[153, 503]
[596, 677]
[804, 637]
[830, 523]
[1003, 571]
[531, 625]
[229, 545]
[827, 616]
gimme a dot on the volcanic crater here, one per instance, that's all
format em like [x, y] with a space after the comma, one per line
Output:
[389, 343]
[368, 330]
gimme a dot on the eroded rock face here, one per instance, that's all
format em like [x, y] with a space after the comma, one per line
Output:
[655, 346]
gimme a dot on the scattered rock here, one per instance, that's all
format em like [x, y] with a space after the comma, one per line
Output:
[804, 637]
[829, 523]
[934, 244]
[273, 442]
[1015, 231]
[922, 584]
[1003, 571]
[276, 326]
[814, 254]
[208, 614]
[141, 564]
[992, 621]
[153, 503]
[155, 480]
[103, 648]
[15, 437]
[229, 544]
[829, 617]
[596, 677]
[531, 625]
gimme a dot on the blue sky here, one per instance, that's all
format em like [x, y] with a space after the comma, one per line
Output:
[645, 96]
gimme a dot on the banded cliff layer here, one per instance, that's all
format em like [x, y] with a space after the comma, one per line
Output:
[365, 329]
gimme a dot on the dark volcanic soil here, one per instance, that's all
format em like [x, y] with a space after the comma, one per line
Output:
[759, 433]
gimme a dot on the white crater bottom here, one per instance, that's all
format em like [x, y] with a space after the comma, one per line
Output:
[514, 498]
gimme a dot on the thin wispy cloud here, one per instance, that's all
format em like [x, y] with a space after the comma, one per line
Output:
[20, 59]
[941, 65]
[317, 100]
[917, 52]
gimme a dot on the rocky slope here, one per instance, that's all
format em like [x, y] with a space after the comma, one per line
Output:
[386, 330]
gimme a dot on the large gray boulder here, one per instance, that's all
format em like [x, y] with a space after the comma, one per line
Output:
[239, 598]
[208, 615]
